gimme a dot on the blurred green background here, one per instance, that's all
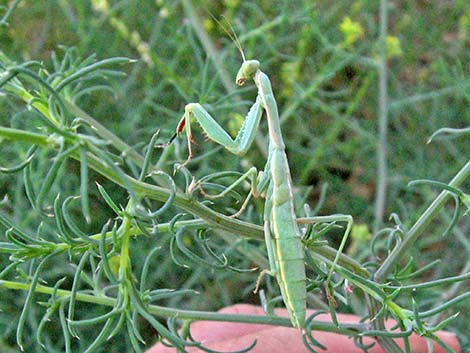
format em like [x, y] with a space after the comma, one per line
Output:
[321, 57]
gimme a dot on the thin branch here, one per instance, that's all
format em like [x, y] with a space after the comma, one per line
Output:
[165, 312]
[381, 191]
[402, 249]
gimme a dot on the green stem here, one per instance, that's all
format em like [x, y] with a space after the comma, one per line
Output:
[381, 190]
[164, 312]
[417, 229]
[124, 236]
[105, 134]
[6, 16]
[23, 136]
[100, 129]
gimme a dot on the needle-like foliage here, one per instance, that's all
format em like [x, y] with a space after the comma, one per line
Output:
[104, 247]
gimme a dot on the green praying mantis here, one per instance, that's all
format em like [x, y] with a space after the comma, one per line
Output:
[283, 235]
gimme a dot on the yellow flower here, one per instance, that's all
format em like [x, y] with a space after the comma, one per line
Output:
[464, 26]
[208, 24]
[100, 5]
[351, 31]
[392, 46]
[360, 238]
[114, 262]
[360, 232]
[232, 4]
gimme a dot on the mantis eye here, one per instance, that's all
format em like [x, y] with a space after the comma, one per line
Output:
[241, 81]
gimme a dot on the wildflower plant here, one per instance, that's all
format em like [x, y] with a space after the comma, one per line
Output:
[95, 265]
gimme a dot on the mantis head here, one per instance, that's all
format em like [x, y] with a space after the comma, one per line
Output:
[247, 71]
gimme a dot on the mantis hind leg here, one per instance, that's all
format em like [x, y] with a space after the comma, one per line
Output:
[332, 219]
[270, 249]
[265, 182]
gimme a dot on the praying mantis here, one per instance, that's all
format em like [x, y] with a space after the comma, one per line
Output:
[283, 235]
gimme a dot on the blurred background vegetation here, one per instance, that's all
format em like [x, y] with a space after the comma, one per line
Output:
[322, 59]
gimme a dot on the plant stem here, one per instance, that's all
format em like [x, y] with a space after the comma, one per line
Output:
[381, 190]
[346, 329]
[25, 136]
[417, 229]
[124, 236]
[105, 134]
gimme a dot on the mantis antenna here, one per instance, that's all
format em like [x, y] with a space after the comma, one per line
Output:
[231, 33]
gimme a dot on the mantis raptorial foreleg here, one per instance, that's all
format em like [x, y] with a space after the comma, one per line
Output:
[216, 133]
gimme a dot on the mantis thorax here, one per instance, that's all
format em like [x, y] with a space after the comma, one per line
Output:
[247, 71]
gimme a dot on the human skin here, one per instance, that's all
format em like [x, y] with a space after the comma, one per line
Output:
[228, 336]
